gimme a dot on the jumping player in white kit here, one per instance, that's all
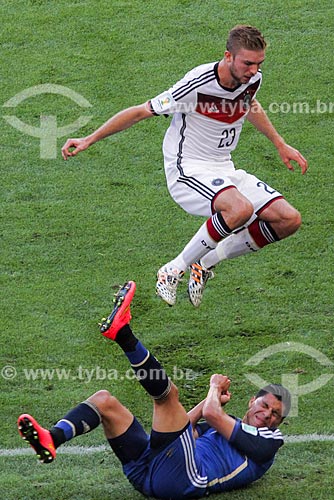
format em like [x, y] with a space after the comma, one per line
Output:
[209, 106]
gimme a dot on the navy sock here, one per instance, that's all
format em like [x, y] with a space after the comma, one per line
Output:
[149, 372]
[147, 368]
[80, 420]
[58, 436]
[126, 339]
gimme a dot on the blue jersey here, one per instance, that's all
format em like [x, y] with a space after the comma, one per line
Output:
[243, 459]
[189, 468]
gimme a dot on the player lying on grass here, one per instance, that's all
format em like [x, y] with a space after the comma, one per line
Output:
[186, 454]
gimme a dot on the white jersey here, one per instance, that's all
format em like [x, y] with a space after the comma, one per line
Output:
[207, 118]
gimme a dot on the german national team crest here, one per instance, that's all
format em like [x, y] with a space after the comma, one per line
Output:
[217, 182]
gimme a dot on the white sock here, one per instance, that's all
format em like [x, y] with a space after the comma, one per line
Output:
[200, 244]
[233, 246]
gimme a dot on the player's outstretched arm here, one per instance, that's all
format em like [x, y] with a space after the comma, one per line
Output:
[257, 117]
[121, 121]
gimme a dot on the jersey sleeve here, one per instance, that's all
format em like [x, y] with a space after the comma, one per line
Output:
[175, 99]
[258, 444]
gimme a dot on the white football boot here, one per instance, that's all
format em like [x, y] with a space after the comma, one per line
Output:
[199, 276]
[168, 279]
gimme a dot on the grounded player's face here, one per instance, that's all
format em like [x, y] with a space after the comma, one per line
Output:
[265, 411]
[245, 64]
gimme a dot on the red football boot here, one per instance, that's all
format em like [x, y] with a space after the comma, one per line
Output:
[39, 438]
[121, 314]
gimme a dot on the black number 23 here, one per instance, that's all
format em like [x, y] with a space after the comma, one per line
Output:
[228, 136]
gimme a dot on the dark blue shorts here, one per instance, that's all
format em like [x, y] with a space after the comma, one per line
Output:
[170, 471]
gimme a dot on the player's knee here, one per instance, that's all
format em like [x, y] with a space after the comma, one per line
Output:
[294, 221]
[297, 219]
[172, 397]
[103, 400]
[239, 213]
[174, 392]
[246, 211]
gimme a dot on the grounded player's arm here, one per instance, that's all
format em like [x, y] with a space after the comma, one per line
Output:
[213, 412]
[196, 413]
[121, 121]
[260, 446]
[257, 117]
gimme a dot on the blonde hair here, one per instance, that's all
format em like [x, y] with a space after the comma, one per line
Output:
[245, 37]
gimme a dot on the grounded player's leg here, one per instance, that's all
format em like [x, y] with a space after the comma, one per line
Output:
[169, 415]
[147, 368]
[115, 417]
[102, 407]
[82, 419]
[149, 372]
[117, 421]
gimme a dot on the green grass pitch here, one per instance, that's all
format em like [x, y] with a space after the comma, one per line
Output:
[72, 231]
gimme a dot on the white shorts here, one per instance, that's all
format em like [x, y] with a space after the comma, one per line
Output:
[194, 184]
